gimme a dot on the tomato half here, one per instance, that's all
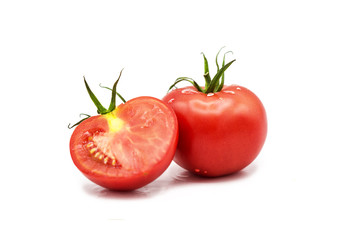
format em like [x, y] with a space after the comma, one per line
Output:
[219, 133]
[128, 147]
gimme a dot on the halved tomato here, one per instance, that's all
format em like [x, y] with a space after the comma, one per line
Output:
[127, 147]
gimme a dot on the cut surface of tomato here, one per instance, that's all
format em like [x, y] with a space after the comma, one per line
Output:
[128, 147]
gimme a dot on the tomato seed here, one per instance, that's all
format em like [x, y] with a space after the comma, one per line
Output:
[93, 150]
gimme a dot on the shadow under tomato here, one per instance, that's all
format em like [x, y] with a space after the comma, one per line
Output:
[181, 176]
[98, 191]
[173, 177]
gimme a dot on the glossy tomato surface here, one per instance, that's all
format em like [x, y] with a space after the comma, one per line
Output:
[219, 133]
[127, 148]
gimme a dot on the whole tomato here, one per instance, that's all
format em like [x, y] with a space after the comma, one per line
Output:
[221, 128]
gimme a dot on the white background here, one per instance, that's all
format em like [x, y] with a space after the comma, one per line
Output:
[301, 58]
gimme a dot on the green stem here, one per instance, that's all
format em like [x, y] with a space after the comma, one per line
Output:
[218, 89]
[206, 72]
[215, 81]
[87, 116]
[211, 85]
[216, 59]
[190, 80]
[118, 94]
[100, 108]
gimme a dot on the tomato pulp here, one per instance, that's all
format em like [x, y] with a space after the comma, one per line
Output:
[128, 147]
[219, 133]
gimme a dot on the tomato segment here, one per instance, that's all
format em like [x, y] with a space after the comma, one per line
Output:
[127, 148]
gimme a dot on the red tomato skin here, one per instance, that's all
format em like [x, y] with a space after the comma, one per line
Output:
[219, 133]
[111, 177]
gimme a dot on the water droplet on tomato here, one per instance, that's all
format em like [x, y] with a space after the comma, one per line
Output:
[188, 91]
[238, 88]
[197, 170]
[171, 100]
[210, 94]
[229, 92]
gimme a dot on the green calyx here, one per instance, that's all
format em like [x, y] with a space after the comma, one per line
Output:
[100, 108]
[211, 85]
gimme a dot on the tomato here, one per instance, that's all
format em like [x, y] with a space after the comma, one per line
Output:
[127, 147]
[220, 131]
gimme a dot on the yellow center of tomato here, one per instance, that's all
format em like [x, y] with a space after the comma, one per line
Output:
[115, 123]
[99, 144]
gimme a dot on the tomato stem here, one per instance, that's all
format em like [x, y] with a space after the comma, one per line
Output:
[87, 116]
[190, 80]
[223, 75]
[216, 59]
[100, 108]
[206, 72]
[211, 85]
[214, 85]
[118, 94]
[113, 95]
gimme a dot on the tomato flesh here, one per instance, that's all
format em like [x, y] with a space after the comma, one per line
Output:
[219, 133]
[127, 148]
